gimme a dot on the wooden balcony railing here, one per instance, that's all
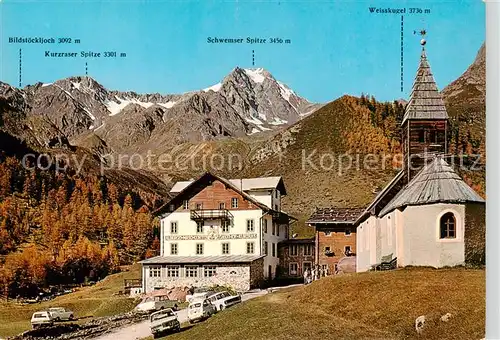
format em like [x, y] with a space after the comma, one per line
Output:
[211, 214]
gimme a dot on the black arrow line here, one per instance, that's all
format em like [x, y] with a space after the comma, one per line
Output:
[20, 67]
[402, 53]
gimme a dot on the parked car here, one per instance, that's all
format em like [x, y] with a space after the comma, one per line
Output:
[200, 309]
[164, 321]
[41, 319]
[199, 293]
[61, 314]
[151, 304]
[223, 300]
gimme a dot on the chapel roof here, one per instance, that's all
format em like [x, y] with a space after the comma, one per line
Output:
[437, 182]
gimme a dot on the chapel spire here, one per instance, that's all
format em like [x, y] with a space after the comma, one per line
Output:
[425, 121]
[425, 100]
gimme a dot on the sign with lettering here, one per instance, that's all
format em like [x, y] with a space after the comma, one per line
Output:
[210, 237]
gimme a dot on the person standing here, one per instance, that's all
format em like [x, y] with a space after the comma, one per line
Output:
[306, 276]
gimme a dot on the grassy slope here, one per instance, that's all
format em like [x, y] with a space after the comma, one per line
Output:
[382, 305]
[96, 301]
[323, 132]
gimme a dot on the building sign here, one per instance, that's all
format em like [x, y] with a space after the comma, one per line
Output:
[209, 237]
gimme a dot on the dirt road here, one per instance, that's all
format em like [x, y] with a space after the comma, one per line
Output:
[141, 330]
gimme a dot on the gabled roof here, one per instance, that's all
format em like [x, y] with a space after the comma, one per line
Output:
[435, 183]
[384, 196]
[335, 215]
[425, 100]
[198, 185]
[246, 184]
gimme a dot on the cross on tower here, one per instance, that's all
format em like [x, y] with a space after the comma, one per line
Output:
[422, 33]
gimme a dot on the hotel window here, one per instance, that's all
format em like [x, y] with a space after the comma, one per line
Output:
[199, 206]
[294, 268]
[250, 226]
[186, 204]
[277, 230]
[225, 248]
[191, 271]
[250, 247]
[173, 249]
[276, 193]
[447, 224]
[274, 249]
[293, 250]
[225, 226]
[265, 226]
[199, 227]
[274, 228]
[234, 203]
[209, 271]
[347, 232]
[222, 205]
[266, 246]
[199, 248]
[307, 249]
[172, 207]
[155, 271]
[172, 271]
[173, 227]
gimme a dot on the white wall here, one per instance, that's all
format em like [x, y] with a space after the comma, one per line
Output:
[271, 239]
[366, 241]
[271, 198]
[421, 244]
[187, 227]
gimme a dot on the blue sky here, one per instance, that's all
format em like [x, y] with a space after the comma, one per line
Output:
[337, 47]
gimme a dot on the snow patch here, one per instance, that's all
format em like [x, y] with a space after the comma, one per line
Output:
[254, 120]
[46, 84]
[76, 85]
[264, 128]
[255, 74]
[214, 88]
[262, 116]
[168, 104]
[116, 107]
[254, 131]
[278, 121]
[285, 91]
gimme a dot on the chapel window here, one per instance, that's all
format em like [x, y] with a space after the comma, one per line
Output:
[448, 226]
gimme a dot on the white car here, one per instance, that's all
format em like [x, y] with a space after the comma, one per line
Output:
[61, 314]
[41, 319]
[199, 293]
[151, 304]
[164, 321]
[200, 309]
[223, 300]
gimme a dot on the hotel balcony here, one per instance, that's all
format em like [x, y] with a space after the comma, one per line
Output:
[211, 214]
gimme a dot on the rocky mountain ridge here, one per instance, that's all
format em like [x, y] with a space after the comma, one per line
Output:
[245, 102]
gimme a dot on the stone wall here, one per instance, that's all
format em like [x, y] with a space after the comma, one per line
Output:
[475, 234]
[257, 273]
[236, 276]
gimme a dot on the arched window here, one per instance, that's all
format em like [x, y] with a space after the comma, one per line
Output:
[448, 226]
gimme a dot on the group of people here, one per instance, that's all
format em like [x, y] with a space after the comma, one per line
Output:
[313, 274]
